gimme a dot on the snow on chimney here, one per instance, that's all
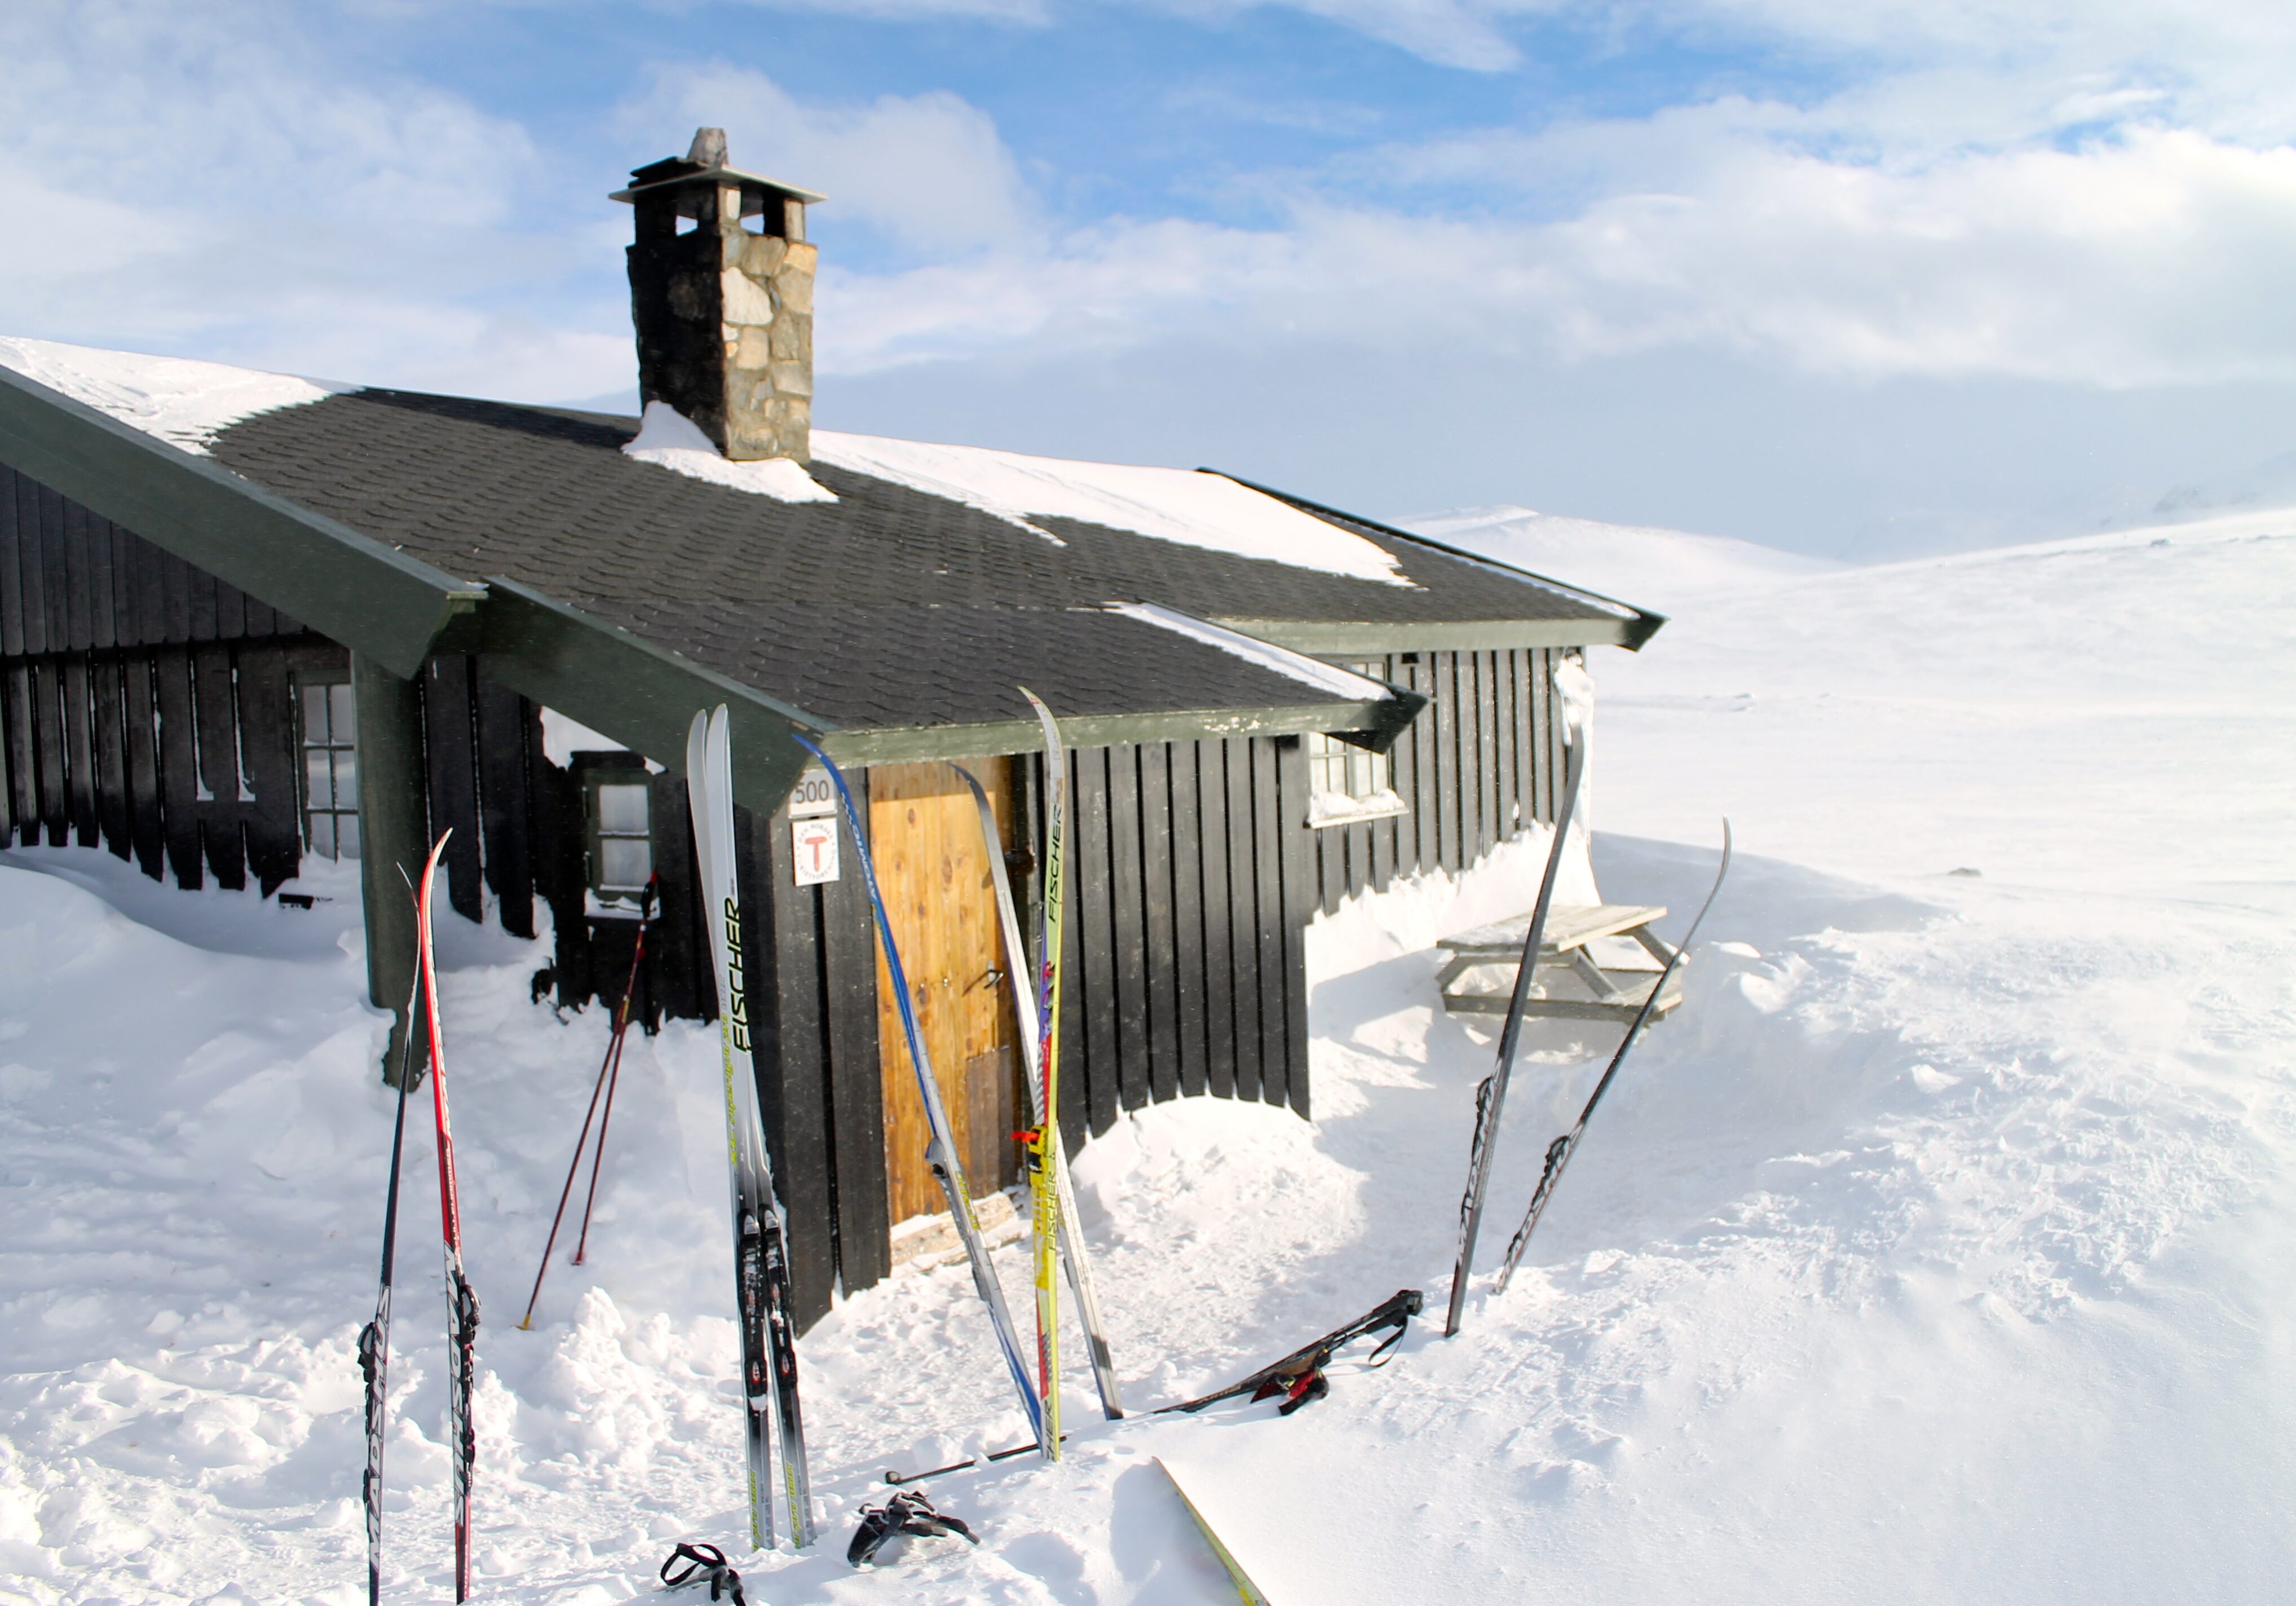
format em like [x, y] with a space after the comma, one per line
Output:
[721, 290]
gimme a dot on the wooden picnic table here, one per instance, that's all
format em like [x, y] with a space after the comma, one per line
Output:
[1611, 994]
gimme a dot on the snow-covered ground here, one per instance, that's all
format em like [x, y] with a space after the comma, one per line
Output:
[1665, 569]
[1936, 1249]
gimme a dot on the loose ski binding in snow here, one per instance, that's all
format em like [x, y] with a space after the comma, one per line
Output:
[1299, 1377]
[903, 1513]
[703, 1562]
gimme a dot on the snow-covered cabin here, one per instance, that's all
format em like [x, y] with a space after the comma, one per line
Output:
[246, 619]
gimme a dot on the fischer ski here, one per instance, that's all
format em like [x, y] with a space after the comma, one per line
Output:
[462, 1304]
[761, 1281]
[374, 1340]
[1490, 1094]
[940, 1153]
[609, 1077]
[1559, 1151]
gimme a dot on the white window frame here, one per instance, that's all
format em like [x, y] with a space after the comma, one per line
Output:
[1347, 784]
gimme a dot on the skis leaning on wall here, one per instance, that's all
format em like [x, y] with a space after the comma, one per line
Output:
[462, 1304]
[375, 1340]
[1047, 1033]
[940, 1152]
[761, 1281]
[1490, 1094]
[1559, 1151]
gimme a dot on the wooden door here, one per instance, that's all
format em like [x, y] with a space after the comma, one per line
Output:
[924, 833]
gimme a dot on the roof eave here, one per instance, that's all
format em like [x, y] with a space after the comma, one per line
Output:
[1375, 723]
[1338, 638]
[373, 599]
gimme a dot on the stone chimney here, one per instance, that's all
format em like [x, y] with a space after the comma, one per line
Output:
[721, 290]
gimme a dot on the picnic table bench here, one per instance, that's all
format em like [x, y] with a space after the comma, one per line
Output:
[1613, 994]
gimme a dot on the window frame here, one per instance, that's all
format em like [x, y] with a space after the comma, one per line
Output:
[592, 772]
[337, 700]
[1366, 788]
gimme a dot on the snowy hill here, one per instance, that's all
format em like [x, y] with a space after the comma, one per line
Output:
[1651, 567]
[1935, 1250]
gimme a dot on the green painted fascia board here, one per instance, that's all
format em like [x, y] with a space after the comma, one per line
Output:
[630, 691]
[376, 601]
[1377, 723]
[1628, 633]
[1338, 638]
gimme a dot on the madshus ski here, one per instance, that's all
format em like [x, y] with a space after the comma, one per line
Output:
[462, 1304]
[1036, 1004]
[940, 1153]
[1559, 1151]
[1490, 1094]
[761, 1281]
[374, 1340]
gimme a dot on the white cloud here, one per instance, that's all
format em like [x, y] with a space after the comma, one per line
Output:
[927, 171]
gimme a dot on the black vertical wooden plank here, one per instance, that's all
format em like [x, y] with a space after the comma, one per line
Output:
[261, 619]
[847, 945]
[55, 581]
[103, 624]
[554, 827]
[215, 710]
[1187, 917]
[1425, 856]
[1075, 1079]
[79, 751]
[121, 558]
[31, 565]
[1558, 730]
[231, 611]
[1129, 917]
[146, 816]
[1243, 917]
[1472, 826]
[1097, 938]
[1385, 834]
[1156, 905]
[1446, 666]
[199, 594]
[671, 954]
[267, 754]
[1295, 842]
[1488, 741]
[174, 597]
[80, 572]
[24, 753]
[150, 594]
[1218, 919]
[11, 580]
[793, 1094]
[48, 734]
[1503, 744]
[7, 757]
[1268, 826]
[179, 778]
[111, 760]
[449, 741]
[505, 813]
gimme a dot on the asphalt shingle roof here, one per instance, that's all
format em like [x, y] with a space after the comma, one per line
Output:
[890, 606]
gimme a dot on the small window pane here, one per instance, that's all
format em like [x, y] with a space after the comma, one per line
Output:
[625, 862]
[347, 832]
[316, 791]
[315, 716]
[346, 778]
[622, 810]
[323, 834]
[342, 715]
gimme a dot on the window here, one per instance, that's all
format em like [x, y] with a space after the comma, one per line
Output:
[330, 771]
[1346, 784]
[619, 818]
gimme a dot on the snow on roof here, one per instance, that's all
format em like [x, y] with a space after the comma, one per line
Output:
[1208, 511]
[1328, 678]
[182, 401]
[667, 437]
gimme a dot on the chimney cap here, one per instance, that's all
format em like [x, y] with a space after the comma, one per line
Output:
[705, 163]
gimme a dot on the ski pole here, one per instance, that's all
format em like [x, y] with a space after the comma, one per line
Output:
[612, 1062]
[614, 1080]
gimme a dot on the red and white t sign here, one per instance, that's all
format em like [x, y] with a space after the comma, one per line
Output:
[813, 850]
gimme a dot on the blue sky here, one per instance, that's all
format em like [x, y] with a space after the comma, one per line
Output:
[1864, 279]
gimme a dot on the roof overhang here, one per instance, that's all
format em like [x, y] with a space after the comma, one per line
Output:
[1335, 638]
[1374, 724]
[374, 599]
